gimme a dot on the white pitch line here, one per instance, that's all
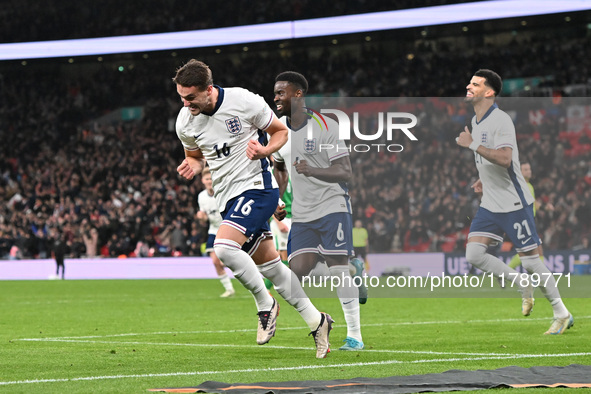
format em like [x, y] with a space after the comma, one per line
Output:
[508, 355]
[195, 373]
[166, 344]
[259, 347]
[528, 319]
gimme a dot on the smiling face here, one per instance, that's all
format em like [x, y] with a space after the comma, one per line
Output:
[197, 101]
[478, 90]
[284, 91]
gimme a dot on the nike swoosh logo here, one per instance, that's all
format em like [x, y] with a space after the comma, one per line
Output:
[236, 216]
[348, 302]
[524, 242]
[198, 136]
[339, 245]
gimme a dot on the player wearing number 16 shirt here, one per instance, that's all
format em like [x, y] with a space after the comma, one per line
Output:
[228, 128]
[507, 204]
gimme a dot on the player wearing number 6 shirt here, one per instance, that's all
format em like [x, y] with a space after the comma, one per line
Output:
[318, 165]
[507, 204]
[226, 128]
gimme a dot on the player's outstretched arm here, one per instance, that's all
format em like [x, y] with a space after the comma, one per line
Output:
[192, 165]
[339, 170]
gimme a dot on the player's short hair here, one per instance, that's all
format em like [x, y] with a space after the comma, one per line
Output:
[491, 79]
[294, 78]
[205, 171]
[194, 73]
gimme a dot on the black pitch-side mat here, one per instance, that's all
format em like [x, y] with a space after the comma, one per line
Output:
[574, 375]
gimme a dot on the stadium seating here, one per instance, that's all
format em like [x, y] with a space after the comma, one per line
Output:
[60, 166]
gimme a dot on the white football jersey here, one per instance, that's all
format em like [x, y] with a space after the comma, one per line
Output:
[239, 116]
[503, 189]
[208, 205]
[313, 198]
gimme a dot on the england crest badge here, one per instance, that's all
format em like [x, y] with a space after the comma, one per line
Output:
[233, 124]
[484, 138]
[309, 145]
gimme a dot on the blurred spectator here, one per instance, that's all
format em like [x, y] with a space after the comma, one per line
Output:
[111, 188]
[90, 237]
[59, 250]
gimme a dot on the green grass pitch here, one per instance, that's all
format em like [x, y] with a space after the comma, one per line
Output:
[127, 336]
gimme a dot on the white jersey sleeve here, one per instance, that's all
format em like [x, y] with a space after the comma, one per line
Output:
[277, 156]
[184, 122]
[257, 110]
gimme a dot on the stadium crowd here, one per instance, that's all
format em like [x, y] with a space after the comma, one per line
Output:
[69, 20]
[111, 188]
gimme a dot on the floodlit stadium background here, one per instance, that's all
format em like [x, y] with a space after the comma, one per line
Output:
[88, 145]
[87, 123]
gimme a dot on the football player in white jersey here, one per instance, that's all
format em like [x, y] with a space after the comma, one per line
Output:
[209, 212]
[321, 208]
[226, 128]
[507, 204]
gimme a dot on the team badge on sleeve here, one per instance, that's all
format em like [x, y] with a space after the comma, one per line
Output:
[309, 145]
[233, 124]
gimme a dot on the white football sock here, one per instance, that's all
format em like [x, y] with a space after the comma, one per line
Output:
[533, 264]
[226, 282]
[477, 256]
[320, 270]
[288, 286]
[244, 269]
[348, 295]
